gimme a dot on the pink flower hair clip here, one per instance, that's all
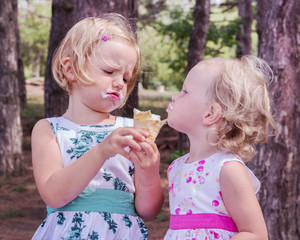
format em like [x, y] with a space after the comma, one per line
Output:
[105, 37]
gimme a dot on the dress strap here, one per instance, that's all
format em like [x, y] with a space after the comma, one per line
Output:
[53, 122]
[101, 200]
[202, 220]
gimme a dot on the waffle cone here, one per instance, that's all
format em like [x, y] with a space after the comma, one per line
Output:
[142, 120]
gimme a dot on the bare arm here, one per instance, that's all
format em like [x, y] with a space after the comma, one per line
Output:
[57, 185]
[149, 196]
[241, 202]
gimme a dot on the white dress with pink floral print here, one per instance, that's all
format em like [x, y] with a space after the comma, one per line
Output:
[196, 205]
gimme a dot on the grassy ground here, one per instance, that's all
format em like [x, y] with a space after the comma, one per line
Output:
[21, 208]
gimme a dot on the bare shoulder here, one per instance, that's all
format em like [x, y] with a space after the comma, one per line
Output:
[41, 127]
[234, 171]
[234, 179]
[240, 201]
[41, 137]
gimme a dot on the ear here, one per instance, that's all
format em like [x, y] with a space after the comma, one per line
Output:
[213, 115]
[68, 70]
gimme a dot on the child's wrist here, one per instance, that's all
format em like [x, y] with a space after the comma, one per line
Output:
[153, 181]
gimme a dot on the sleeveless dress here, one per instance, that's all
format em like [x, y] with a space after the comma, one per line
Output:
[105, 209]
[196, 205]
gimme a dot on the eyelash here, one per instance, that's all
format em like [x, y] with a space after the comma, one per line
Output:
[111, 72]
[107, 72]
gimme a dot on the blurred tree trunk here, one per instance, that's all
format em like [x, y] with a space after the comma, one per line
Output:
[63, 18]
[196, 47]
[199, 32]
[21, 77]
[278, 161]
[10, 124]
[128, 8]
[244, 35]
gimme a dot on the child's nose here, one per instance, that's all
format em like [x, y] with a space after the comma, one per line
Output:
[174, 97]
[118, 82]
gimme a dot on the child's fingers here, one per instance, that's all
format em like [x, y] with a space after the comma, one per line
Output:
[136, 133]
[125, 154]
[132, 144]
[152, 143]
[147, 148]
[134, 158]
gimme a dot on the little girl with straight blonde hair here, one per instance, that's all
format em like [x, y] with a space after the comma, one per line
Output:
[97, 174]
[224, 108]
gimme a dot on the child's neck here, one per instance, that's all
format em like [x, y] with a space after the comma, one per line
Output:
[200, 149]
[81, 114]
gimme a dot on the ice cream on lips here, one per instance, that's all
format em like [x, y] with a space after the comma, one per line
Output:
[112, 94]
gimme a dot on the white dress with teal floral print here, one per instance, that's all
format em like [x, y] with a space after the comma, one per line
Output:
[105, 209]
[196, 205]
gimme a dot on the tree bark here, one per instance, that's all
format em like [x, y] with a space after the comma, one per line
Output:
[63, 18]
[244, 35]
[21, 77]
[10, 125]
[199, 32]
[278, 162]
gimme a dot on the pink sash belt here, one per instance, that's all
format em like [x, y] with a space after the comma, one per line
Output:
[202, 220]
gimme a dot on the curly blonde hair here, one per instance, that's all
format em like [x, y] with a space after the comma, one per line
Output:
[241, 90]
[83, 39]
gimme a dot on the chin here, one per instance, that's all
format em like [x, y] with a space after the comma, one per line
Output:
[173, 125]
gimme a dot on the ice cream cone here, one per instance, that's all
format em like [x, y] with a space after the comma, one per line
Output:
[148, 122]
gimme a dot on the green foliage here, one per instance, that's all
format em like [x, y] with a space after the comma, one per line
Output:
[19, 189]
[33, 112]
[2, 183]
[176, 154]
[12, 213]
[162, 216]
[154, 101]
[34, 24]
[165, 43]
[149, 10]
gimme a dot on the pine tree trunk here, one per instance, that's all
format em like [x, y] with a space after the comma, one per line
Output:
[63, 18]
[21, 77]
[278, 162]
[10, 125]
[244, 35]
[199, 32]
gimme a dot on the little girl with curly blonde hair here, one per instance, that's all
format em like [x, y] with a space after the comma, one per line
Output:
[224, 108]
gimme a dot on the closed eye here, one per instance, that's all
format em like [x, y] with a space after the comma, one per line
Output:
[108, 72]
[183, 91]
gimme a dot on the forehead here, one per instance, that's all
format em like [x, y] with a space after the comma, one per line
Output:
[196, 76]
[204, 73]
[116, 53]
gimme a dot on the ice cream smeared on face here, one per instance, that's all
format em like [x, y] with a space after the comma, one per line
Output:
[170, 106]
[148, 122]
[112, 94]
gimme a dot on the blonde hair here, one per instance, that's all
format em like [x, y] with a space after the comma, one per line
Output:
[82, 40]
[241, 90]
